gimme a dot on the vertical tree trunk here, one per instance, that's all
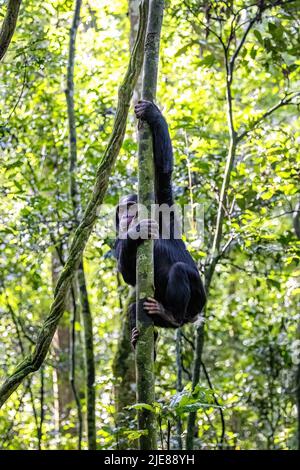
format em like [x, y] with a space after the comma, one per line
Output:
[196, 376]
[179, 385]
[145, 274]
[133, 6]
[88, 341]
[63, 395]
[124, 375]
[296, 223]
[77, 213]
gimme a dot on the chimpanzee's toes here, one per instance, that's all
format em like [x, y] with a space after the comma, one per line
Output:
[134, 337]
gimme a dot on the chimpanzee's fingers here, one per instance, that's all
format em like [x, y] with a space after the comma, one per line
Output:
[153, 311]
[150, 304]
[144, 101]
[139, 107]
[152, 307]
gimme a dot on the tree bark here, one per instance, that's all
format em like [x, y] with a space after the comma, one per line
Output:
[133, 6]
[296, 223]
[124, 375]
[34, 361]
[145, 274]
[9, 25]
[88, 341]
[179, 386]
[63, 395]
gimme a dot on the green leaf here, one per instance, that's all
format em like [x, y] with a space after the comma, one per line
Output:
[258, 36]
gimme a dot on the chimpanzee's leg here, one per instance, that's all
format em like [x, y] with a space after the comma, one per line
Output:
[198, 295]
[178, 292]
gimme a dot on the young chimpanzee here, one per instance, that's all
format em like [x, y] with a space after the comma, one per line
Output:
[179, 294]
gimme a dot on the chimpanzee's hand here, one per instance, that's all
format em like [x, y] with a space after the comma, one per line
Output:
[146, 229]
[147, 111]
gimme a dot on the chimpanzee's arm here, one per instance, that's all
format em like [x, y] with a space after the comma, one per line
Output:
[163, 158]
[126, 248]
[162, 149]
[126, 256]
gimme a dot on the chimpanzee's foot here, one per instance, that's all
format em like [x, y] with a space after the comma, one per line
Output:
[134, 337]
[153, 307]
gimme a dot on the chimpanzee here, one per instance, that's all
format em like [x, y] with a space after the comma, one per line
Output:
[179, 293]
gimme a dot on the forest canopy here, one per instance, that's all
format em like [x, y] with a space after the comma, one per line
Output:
[228, 86]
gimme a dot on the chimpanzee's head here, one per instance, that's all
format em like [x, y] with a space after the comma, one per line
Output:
[126, 212]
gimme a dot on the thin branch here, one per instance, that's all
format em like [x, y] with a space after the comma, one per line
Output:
[72, 359]
[42, 411]
[239, 47]
[20, 94]
[217, 403]
[283, 102]
[179, 387]
[296, 219]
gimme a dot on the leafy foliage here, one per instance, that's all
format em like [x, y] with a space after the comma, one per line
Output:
[251, 349]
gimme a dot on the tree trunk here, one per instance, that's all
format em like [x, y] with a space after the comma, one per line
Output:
[88, 342]
[9, 25]
[145, 274]
[196, 377]
[133, 6]
[296, 223]
[124, 375]
[63, 395]
[77, 211]
[179, 386]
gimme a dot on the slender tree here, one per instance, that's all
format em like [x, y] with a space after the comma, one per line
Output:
[9, 25]
[145, 274]
[296, 223]
[77, 213]
[124, 376]
[34, 361]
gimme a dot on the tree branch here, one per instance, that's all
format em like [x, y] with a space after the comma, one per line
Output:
[9, 25]
[283, 102]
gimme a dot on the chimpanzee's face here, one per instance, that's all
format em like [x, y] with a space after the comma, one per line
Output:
[127, 214]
